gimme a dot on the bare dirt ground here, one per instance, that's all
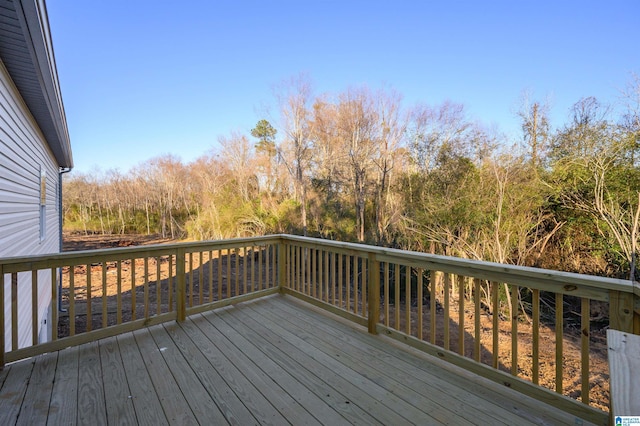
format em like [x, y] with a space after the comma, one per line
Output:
[233, 271]
[79, 241]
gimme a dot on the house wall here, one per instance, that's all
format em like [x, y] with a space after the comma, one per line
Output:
[23, 154]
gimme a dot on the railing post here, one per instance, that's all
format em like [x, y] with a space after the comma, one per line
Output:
[621, 311]
[181, 283]
[373, 287]
[282, 246]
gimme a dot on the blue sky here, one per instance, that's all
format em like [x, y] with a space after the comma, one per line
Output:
[144, 78]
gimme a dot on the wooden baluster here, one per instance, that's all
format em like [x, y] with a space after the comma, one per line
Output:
[210, 267]
[432, 309]
[245, 270]
[219, 255]
[396, 303]
[34, 307]
[14, 311]
[260, 249]
[190, 272]
[447, 317]
[320, 274]
[133, 290]
[54, 308]
[89, 311]
[419, 284]
[105, 313]
[495, 306]
[535, 347]
[146, 287]
[326, 276]
[461, 332]
[170, 283]
[119, 291]
[585, 326]
[514, 329]
[348, 283]
[159, 287]
[355, 284]
[559, 339]
[236, 252]
[201, 278]
[407, 299]
[386, 294]
[72, 302]
[181, 284]
[228, 280]
[340, 280]
[476, 317]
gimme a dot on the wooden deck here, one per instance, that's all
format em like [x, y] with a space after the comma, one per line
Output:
[272, 361]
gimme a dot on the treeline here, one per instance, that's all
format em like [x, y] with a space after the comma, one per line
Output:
[360, 166]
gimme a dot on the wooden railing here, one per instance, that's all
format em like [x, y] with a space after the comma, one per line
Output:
[110, 291]
[526, 328]
[519, 326]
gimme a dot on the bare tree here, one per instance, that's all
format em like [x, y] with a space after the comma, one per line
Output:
[238, 154]
[534, 117]
[358, 124]
[295, 98]
[393, 126]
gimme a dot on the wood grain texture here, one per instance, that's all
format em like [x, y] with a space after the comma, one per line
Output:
[624, 367]
[38, 395]
[63, 407]
[119, 402]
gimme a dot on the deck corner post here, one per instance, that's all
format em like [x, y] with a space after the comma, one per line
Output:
[180, 285]
[373, 281]
[621, 311]
[282, 245]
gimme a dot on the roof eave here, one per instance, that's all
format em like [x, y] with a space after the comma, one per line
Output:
[40, 72]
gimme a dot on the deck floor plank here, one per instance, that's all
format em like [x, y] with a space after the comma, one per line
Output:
[282, 401]
[389, 392]
[63, 408]
[145, 400]
[316, 380]
[275, 360]
[337, 378]
[38, 395]
[410, 387]
[13, 390]
[203, 407]
[281, 376]
[118, 398]
[348, 344]
[258, 404]
[3, 375]
[191, 345]
[91, 402]
[171, 397]
[493, 397]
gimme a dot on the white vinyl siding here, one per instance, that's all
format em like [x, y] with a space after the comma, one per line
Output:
[23, 153]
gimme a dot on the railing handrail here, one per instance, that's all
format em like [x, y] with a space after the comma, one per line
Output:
[500, 272]
[79, 257]
[482, 269]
